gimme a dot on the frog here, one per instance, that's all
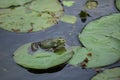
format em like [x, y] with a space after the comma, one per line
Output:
[49, 44]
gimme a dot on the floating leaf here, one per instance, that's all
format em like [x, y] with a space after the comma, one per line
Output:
[91, 4]
[69, 19]
[8, 3]
[68, 3]
[108, 74]
[37, 12]
[118, 4]
[40, 59]
[101, 41]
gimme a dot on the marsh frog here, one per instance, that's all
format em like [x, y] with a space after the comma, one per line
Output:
[49, 44]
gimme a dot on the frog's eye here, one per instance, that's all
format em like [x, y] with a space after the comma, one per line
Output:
[62, 40]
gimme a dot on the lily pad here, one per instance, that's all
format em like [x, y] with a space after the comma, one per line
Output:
[33, 17]
[68, 19]
[118, 4]
[68, 3]
[100, 36]
[40, 59]
[8, 3]
[106, 26]
[88, 58]
[101, 40]
[94, 41]
[91, 4]
[109, 74]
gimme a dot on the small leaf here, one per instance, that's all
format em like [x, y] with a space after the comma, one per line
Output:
[68, 3]
[83, 15]
[91, 4]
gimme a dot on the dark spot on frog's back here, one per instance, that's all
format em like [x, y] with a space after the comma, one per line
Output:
[61, 2]
[1, 22]
[51, 45]
[21, 18]
[39, 15]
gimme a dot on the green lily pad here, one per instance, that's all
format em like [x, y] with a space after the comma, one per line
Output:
[101, 40]
[68, 3]
[106, 26]
[33, 17]
[68, 19]
[93, 58]
[54, 7]
[91, 4]
[8, 3]
[94, 41]
[109, 74]
[40, 59]
[102, 36]
[118, 4]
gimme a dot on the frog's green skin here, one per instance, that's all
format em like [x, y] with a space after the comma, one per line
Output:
[55, 43]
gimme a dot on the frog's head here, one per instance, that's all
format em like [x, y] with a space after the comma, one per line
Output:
[61, 40]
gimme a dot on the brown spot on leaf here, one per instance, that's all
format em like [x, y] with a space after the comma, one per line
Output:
[15, 30]
[30, 30]
[86, 60]
[83, 64]
[89, 54]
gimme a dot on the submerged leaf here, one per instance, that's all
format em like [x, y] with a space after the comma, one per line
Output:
[91, 4]
[68, 19]
[68, 3]
[83, 15]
